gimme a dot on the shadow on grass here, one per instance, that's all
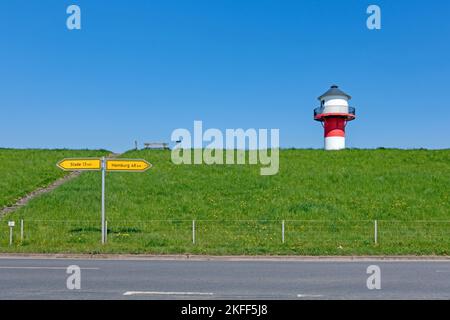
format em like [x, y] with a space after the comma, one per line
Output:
[110, 231]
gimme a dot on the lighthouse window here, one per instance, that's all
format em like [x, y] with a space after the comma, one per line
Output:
[323, 102]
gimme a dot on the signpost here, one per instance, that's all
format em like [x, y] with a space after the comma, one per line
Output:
[11, 225]
[103, 202]
[104, 164]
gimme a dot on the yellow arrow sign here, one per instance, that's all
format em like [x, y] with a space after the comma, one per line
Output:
[76, 164]
[135, 165]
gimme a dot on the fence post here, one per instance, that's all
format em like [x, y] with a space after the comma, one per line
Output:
[282, 231]
[376, 231]
[193, 231]
[21, 230]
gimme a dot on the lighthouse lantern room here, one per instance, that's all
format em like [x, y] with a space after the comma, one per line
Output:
[334, 113]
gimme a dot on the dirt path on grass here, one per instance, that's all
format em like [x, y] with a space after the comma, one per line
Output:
[36, 193]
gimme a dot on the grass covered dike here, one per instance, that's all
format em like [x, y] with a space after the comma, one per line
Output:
[328, 200]
[25, 170]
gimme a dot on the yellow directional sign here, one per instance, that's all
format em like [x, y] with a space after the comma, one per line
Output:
[135, 165]
[80, 164]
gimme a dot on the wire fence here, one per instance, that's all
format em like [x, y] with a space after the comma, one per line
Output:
[228, 233]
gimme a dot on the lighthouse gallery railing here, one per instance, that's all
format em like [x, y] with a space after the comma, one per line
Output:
[319, 110]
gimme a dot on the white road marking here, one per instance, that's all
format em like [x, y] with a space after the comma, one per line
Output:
[309, 295]
[159, 293]
[443, 271]
[44, 268]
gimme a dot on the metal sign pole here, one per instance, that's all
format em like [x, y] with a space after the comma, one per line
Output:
[11, 225]
[103, 199]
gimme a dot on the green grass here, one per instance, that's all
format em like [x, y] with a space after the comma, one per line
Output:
[22, 171]
[328, 199]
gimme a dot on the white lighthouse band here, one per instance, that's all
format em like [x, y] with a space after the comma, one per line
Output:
[334, 143]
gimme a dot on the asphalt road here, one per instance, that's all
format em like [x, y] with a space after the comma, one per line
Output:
[217, 279]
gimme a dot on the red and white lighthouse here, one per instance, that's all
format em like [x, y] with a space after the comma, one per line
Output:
[334, 113]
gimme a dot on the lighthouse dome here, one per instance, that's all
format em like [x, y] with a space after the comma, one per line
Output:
[334, 101]
[334, 91]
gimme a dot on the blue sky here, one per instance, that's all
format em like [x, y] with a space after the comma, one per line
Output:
[137, 70]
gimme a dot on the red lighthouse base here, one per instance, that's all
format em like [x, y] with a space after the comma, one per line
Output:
[334, 129]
